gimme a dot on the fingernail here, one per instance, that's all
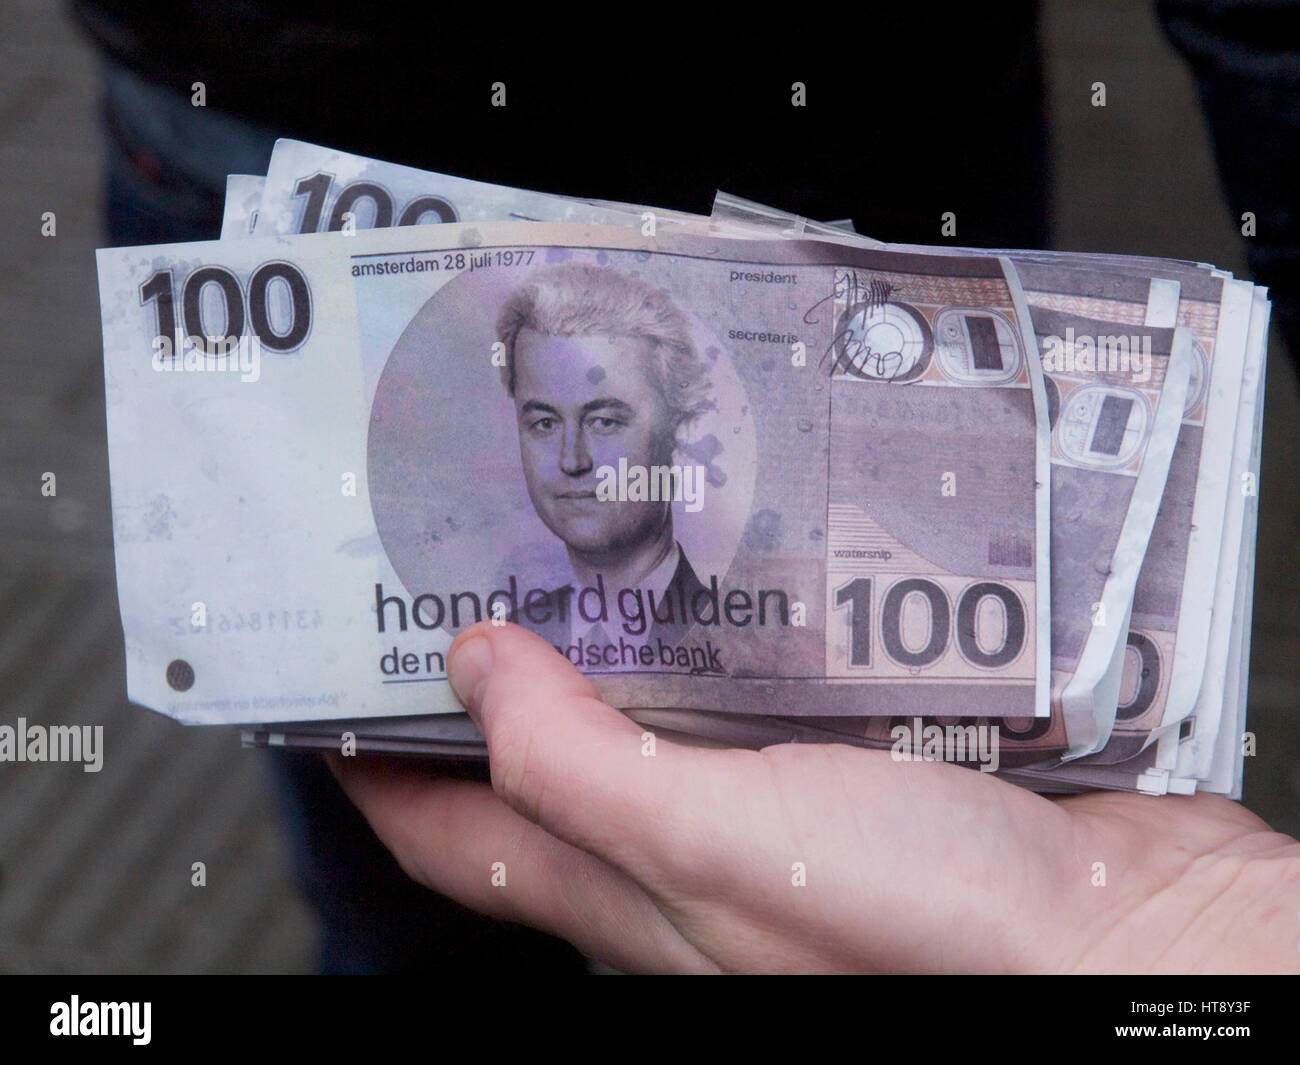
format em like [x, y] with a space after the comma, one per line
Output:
[468, 668]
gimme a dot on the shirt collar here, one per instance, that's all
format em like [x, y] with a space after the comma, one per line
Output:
[656, 581]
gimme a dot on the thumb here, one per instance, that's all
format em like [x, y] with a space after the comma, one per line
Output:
[564, 758]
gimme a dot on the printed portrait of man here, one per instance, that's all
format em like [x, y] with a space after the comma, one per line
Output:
[601, 367]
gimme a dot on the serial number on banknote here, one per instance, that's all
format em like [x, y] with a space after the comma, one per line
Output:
[257, 621]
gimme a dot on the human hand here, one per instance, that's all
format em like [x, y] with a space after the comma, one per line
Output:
[686, 860]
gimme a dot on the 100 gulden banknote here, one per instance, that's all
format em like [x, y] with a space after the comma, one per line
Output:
[680, 460]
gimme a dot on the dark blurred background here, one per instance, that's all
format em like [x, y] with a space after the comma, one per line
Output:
[95, 868]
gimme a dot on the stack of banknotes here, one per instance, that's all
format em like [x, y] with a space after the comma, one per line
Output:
[762, 479]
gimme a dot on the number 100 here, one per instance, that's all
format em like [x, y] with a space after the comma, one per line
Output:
[856, 597]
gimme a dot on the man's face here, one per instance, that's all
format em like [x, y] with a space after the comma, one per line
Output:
[582, 403]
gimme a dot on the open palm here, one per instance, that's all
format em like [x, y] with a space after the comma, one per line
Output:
[811, 857]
